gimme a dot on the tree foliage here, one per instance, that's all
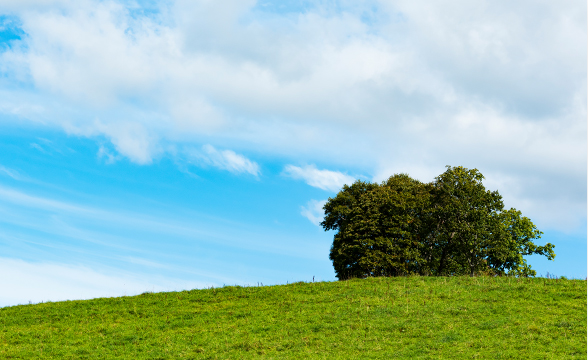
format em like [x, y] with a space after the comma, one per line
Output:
[451, 226]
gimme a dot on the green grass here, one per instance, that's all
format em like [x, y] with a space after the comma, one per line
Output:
[378, 318]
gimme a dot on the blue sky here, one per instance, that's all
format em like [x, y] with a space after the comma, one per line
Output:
[166, 145]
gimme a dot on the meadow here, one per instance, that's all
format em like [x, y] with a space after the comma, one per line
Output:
[374, 318]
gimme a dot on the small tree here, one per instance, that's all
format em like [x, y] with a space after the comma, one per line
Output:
[378, 227]
[451, 226]
[463, 218]
[512, 241]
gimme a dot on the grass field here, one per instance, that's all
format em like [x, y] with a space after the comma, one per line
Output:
[377, 318]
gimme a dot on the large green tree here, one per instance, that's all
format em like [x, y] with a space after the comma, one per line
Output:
[451, 226]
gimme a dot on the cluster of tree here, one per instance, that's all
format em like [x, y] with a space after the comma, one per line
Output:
[451, 226]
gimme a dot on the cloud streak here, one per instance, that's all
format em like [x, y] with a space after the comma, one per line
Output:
[224, 160]
[323, 179]
[313, 211]
[11, 173]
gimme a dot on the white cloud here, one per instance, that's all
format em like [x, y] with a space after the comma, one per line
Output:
[224, 160]
[131, 140]
[322, 179]
[487, 85]
[23, 282]
[313, 211]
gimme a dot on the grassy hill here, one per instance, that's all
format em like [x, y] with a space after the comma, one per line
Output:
[379, 318]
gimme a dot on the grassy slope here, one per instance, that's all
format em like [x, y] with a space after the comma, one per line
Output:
[415, 317]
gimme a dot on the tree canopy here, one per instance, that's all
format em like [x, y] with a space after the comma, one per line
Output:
[450, 226]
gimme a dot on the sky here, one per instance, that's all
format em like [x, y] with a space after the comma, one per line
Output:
[179, 144]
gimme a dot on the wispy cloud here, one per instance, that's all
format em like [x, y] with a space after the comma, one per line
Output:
[11, 173]
[143, 262]
[322, 179]
[38, 147]
[225, 160]
[313, 211]
[23, 199]
[129, 231]
[105, 153]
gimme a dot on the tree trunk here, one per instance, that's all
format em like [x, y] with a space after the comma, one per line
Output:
[442, 262]
[444, 255]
